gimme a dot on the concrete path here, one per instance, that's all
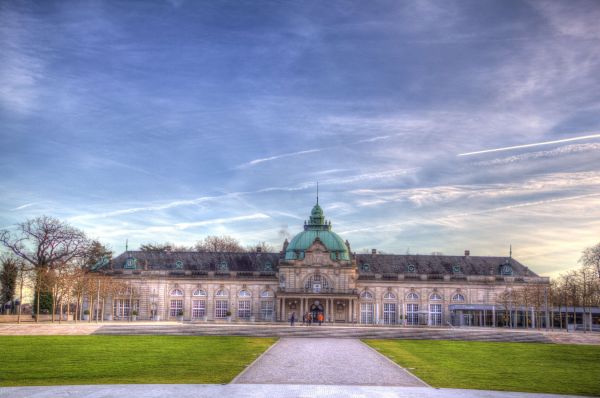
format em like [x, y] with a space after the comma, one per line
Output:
[325, 361]
[253, 390]
[284, 330]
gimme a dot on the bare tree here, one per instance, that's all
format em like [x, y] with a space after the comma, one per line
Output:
[163, 247]
[95, 254]
[219, 244]
[262, 247]
[507, 300]
[591, 258]
[45, 242]
[23, 280]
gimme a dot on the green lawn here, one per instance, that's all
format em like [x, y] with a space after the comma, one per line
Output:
[527, 367]
[54, 360]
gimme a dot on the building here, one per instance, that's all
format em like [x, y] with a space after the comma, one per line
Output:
[316, 272]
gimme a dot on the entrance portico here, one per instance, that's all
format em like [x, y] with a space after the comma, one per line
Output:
[335, 308]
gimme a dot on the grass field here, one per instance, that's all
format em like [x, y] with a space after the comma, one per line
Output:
[527, 367]
[54, 360]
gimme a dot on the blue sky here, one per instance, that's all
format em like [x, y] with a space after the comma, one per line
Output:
[170, 121]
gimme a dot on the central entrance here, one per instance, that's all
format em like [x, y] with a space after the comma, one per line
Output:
[316, 311]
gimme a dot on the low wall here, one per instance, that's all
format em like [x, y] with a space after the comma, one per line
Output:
[29, 318]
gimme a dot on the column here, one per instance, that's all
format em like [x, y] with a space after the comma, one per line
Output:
[279, 312]
[332, 310]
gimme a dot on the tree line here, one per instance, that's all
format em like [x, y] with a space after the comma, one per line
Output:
[55, 260]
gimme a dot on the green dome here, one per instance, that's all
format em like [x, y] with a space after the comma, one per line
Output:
[317, 227]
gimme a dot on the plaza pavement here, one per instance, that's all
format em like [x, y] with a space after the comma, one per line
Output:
[284, 330]
[254, 390]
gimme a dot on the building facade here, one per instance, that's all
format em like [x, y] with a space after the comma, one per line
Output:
[317, 273]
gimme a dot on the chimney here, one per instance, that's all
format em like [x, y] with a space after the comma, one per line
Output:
[467, 253]
[373, 251]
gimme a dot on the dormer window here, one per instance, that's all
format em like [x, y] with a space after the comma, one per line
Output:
[179, 264]
[456, 269]
[268, 266]
[131, 263]
[223, 266]
[411, 268]
[365, 267]
[506, 269]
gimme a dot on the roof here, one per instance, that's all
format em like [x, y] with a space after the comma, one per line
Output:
[206, 261]
[438, 264]
[317, 227]
[366, 263]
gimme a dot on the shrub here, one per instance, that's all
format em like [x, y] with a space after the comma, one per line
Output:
[134, 312]
[86, 312]
[180, 313]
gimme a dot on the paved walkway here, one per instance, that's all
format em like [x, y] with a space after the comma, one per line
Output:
[284, 330]
[254, 390]
[325, 361]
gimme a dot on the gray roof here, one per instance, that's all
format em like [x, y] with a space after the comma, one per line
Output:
[367, 263]
[203, 261]
[438, 264]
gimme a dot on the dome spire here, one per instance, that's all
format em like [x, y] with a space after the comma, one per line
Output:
[317, 192]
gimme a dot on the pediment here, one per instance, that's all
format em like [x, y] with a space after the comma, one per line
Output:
[317, 247]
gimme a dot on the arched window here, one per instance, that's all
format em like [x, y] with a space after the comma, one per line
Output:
[267, 294]
[458, 297]
[177, 292]
[366, 295]
[316, 283]
[199, 303]
[221, 304]
[244, 293]
[412, 296]
[435, 297]
[389, 296]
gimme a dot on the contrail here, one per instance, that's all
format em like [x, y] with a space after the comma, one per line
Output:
[508, 148]
[284, 155]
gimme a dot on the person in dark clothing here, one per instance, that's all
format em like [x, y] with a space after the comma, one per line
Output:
[292, 319]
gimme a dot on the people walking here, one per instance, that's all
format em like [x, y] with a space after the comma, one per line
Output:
[292, 319]
[320, 318]
[309, 318]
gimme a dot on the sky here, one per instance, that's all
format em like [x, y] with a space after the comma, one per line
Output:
[431, 126]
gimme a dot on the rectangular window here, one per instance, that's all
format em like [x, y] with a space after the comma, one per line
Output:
[244, 309]
[176, 306]
[198, 308]
[266, 310]
[389, 313]
[412, 314]
[221, 307]
[122, 309]
[435, 314]
[366, 312]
